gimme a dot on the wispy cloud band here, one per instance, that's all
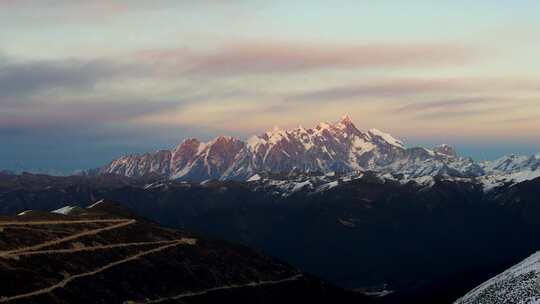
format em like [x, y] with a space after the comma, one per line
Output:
[285, 57]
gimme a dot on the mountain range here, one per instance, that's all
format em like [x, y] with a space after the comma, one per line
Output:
[329, 147]
[404, 225]
[412, 242]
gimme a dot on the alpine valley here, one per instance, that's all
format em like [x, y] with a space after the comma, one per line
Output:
[356, 209]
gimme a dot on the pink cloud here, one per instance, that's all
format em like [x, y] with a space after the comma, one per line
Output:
[272, 57]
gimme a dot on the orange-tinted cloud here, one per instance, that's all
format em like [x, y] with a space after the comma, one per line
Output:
[276, 57]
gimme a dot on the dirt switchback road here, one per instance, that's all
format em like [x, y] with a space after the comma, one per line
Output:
[224, 287]
[120, 223]
[70, 278]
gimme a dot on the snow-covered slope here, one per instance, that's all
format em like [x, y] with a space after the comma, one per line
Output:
[140, 165]
[511, 169]
[519, 284]
[513, 164]
[328, 147]
[64, 210]
[68, 210]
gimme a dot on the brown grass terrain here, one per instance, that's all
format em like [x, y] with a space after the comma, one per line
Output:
[54, 259]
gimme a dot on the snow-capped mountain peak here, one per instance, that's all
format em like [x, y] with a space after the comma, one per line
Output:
[344, 123]
[338, 146]
[327, 147]
[346, 119]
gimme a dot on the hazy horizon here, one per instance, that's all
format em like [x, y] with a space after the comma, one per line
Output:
[478, 153]
[82, 83]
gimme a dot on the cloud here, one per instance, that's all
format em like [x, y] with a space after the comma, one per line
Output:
[517, 120]
[81, 113]
[19, 79]
[56, 94]
[31, 77]
[284, 57]
[394, 88]
[442, 105]
[452, 114]
[418, 86]
[59, 95]
[460, 108]
[35, 94]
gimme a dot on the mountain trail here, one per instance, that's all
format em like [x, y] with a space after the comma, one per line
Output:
[224, 287]
[70, 278]
[121, 223]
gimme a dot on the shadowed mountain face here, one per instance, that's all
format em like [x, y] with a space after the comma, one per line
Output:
[55, 258]
[427, 244]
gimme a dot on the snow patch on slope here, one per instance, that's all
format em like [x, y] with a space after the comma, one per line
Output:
[95, 204]
[254, 178]
[64, 210]
[387, 137]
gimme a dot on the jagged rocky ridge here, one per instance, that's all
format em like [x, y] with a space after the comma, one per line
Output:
[338, 147]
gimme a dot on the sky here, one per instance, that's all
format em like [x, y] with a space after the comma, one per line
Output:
[84, 82]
